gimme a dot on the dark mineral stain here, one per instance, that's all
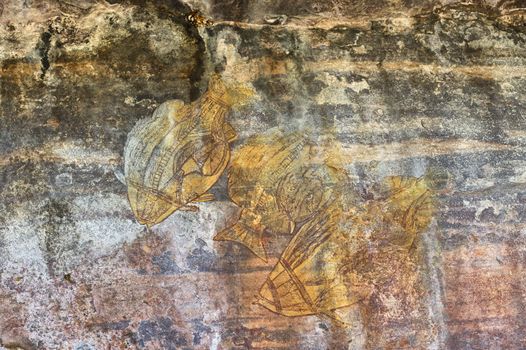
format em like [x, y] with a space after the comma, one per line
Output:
[162, 330]
[68, 278]
[313, 86]
[200, 329]
[165, 264]
[235, 10]
[201, 259]
[488, 215]
[219, 190]
[323, 326]
[177, 12]
[114, 326]
[480, 339]
[43, 49]
[61, 237]
[241, 337]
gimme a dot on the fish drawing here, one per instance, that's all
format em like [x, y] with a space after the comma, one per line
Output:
[308, 278]
[173, 158]
[320, 270]
[277, 180]
[406, 207]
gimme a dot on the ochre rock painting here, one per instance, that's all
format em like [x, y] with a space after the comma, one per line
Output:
[279, 181]
[404, 86]
[321, 268]
[172, 159]
[307, 279]
[289, 184]
[284, 183]
[408, 208]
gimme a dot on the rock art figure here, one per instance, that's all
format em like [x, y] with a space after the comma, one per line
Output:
[323, 265]
[172, 159]
[308, 278]
[283, 183]
[278, 181]
[406, 209]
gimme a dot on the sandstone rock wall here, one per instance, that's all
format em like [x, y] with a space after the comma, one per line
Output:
[405, 86]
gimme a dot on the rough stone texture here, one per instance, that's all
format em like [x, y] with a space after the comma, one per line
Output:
[404, 85]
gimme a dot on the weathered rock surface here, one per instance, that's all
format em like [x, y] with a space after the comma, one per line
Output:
[405, 86]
